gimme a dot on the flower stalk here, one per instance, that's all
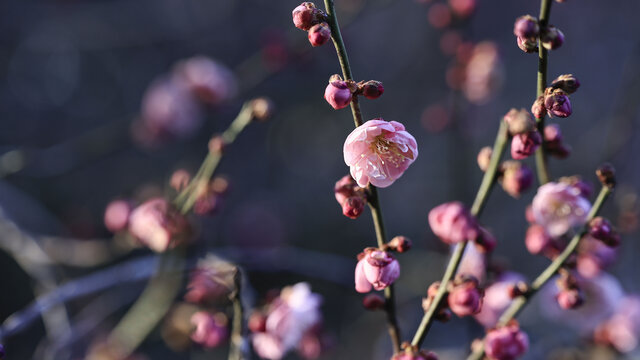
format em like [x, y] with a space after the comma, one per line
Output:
[543, 59]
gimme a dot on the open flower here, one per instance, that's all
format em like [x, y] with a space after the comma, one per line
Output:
[377, 269]
[558, 207]
[379, 152]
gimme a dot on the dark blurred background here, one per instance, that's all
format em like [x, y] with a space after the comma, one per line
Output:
[73, 75]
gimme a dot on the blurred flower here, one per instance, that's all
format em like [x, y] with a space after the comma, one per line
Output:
[506, 343]
[484, 73]
[208, 80]
[211, 281]
[594, 256]
[537, 240]
[439, 15]
[453, 223]
[473, 263]
[289, 316]
[497, 298]
[379, 152]
[622, 330]
[377, 269]
[210, 330]
[158, 225]
[116, 215]
[558, 206]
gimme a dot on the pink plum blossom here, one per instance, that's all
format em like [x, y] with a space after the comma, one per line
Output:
[622, 330]
[453, 223]
[558, 207]
[379, 152]
[506, 343]
[377, 269]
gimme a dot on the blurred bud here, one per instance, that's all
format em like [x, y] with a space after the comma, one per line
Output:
[158, 225]
[116, 215]
[373, 302]
[210, 330]
[337, 93]
[465, 298]
[527, 45]
[567, 82]
[601, 229]
[537, 109]
[551, 37]
[180, 179]
[570, 299]
[506, 343]
[211, 281]
[516, 178]
[607, 175]
[537, 240]
[519, 121]
[372, 89]
[257, 322]
[462, 8]
[220, 185]
[518, 289]
[263, 108]
[524, 145]
[353, 207]
[319, 34]
[557, 103]
[439, 15]
[432, 291]
[217, 144]
[484, 158]
[553, 142]
[400, 244]
[526, 26]
[208, 80]
[306, 15]
[453, 223]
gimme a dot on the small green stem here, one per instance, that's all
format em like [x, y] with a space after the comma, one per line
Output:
[542, 168]
[237, 326]
[521, 301]
[484, 190]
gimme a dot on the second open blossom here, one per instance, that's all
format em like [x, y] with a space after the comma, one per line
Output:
[379, 151]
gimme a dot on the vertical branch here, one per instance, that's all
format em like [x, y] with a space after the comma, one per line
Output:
[237, 351]
[543, 58]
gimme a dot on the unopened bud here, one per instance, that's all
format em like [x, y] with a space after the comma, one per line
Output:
[526, 26]
[180, 179]
[551, 37]
[337, 93]
[524, 145]
[519, 121]
[372, 89]
[607, 175]
[319, 34]
[306, 15]
[353, 207]
[400, 244]
[570, 298]
[601, 229]
[262, 108]
[516, 178]
[373, 302]
[557, 103]
[537, 109]
[484, 158]
[527, 45]
[567, 82]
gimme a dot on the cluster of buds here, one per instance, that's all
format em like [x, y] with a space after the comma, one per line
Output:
[555, 100]
[506, 343]
[309, 18]
[376, 269]
[528, 30]
[409, 352]
[339, 93]
[526, 138]
[569, 295]
[350, 196]
[453, 223]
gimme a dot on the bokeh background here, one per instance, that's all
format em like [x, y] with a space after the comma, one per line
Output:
[72, 78]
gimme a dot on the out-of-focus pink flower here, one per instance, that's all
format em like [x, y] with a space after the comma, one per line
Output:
[524, 145]
[453, 223]
[484, 73]
[116, 215]
[506, 343]
[594, 256]
[337, 93]
[553, 142]
[516, 178]
[158, 225]
[474, 263]
[439, 15]
[290, 315]
[377, 269]
[462, 8]
[379, 152]
[622, 330]
[207, 79]
[168, 111]
[569, 298]
[558, 207]
[210, 281]
[537, 240]
[497, 299]
[465, 298]
[211, 330]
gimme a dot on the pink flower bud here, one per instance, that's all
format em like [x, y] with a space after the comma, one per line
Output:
[557, 103]
[516, 178]
[379, 152]
[377, 269]
[553, 141]
[158, 225]
[527, 45]
[210, 330]
[116, 215]
[345, 188]
[453, 223]
[305, 15]
[569, 298]
[210, 282]
[338, 94]
[319, 34]
[262, 109]
[180, 179]
[607, 175]
[353, 207]
[567, 82]
[524, 145]
[526, 26]
[537, 109]
[373, 302]
[400, 244]
[484, 158]
[537, 240]
[465, 299]
[594, 256]
[519, 121]
[506, 343]
[551, 38]
[601, 229]
[558, 207]
[372, 89]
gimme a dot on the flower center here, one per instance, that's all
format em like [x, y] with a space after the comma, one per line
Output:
[388, 151]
